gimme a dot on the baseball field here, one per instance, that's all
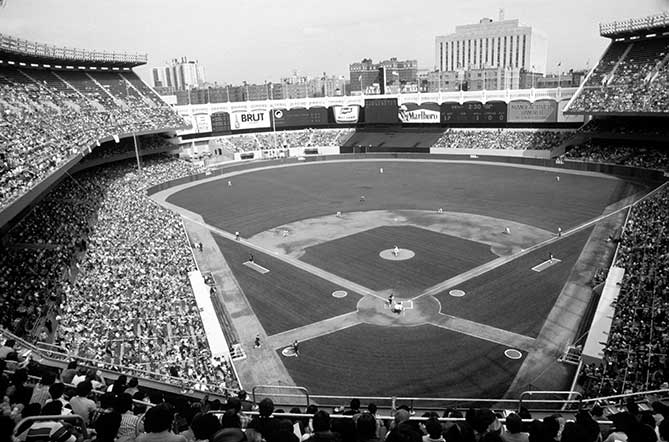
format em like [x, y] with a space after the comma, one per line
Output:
[420, 288]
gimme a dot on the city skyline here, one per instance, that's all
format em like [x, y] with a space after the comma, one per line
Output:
[258, 41]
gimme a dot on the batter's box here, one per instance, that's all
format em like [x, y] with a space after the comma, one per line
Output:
[399, 307]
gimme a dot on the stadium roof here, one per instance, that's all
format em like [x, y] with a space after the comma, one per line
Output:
[635, 26]
[12, 48]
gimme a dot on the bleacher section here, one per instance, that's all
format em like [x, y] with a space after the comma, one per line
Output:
[632, 76]
[404, 138]
[512, 139]
[97, 253]
[49, 117]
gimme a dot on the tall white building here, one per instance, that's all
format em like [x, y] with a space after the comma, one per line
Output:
[179, 74]
[492, 44]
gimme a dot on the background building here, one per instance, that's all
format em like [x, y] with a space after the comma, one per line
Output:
[179, 74]
[492, 44]
[388, 76]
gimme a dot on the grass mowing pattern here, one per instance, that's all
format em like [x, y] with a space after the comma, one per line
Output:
[259, 201]
[438, 257]
[513, 297]
[286, 297]
[428, 361]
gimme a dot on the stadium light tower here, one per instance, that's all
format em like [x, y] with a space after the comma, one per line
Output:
[134, 137]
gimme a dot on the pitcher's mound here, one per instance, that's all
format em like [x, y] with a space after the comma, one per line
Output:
[403, 254]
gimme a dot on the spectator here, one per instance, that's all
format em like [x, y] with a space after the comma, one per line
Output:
[204, 426]
[513, 431]
[322, 432]
[41, 390]
[157, 424]
[263, 425]
[131, 425]
[434, 431]
[81, 404]
[403, 430]
[53, 430]
[107, 427]
[69, 373]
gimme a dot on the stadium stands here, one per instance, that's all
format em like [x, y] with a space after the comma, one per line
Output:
[94, 250]
[502, 139]
[48, 117]
[285, 139]
[626, 154]
[636, 353]
[632, 76]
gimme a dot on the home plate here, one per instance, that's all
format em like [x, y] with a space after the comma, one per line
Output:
[546, 264]
[256, 267]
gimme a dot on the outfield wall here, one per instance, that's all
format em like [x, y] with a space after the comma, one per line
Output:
[517, 107]
[476, 153]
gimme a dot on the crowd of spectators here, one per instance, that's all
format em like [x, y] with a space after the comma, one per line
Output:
[648, 157]
[285, 139]
[146, 144]
[46, 120]
[627, 127]
[631, 77]
[124, 411]
[113, 266]
[509, 139]
[636, 352]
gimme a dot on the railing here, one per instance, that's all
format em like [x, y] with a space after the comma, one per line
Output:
[26, 47]
[75, 418]
[634, 24]
[58, 356]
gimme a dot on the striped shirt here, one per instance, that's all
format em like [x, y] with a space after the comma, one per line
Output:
[131, 427]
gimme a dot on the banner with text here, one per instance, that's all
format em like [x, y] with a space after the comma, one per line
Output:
[202, 123]
[542, 111]
[258, 119]
[473, 112]
[346, 114]
[419, 113]
[315, 116]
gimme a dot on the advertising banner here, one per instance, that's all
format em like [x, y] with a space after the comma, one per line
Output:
[474, 112]
[346, 114]
[562, 118]
[220, 122]
[542, 111]
[423, 113]
[381, 111]
[315, 116]
[250, 120]
[202, 123]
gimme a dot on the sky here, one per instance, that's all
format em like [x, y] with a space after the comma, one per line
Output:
[264, 40]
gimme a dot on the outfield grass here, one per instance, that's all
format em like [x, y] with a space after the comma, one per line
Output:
[513, 297]
[258, 201]
[286, 297]
[427, 361]
[438, 257]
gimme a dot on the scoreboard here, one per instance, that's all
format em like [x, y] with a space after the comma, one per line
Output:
[381, 111]
[473, 112]
[220, 122]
